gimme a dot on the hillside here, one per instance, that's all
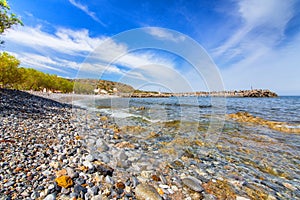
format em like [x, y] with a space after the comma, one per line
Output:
[88, 85]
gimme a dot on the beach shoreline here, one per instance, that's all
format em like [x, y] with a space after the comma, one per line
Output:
[52, 150]
[70, 97]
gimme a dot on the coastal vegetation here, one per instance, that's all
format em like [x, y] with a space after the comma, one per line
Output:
[7, 19]
[15, 77]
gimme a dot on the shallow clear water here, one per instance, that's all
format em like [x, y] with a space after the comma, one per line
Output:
[283, 109]
[265, 160]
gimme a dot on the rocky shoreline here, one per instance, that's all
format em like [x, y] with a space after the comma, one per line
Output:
[49, 150]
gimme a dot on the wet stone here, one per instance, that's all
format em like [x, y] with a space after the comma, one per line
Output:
[65, 190]
[193, 183]
[146, 192]
[90, 158]
[79, 181]
[79, 189]
[104, 170]
[74, 194]
[101, 145]
[50, 197]
[34, 195]
[88, 164]
[94, 190]
[71, 172]
[8, 184]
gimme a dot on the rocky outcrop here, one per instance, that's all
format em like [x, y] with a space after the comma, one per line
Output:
[259, 93]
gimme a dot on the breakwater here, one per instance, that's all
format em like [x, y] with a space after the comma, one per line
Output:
[240, 93]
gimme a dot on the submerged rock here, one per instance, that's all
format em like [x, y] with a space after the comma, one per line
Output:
[193, 183]
[101, 145]
[146, 192]
[220, 189]
[246, 117]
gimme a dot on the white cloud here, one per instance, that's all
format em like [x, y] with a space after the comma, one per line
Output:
[264, 23]
[66, 49]
[96, 70]
[257, 54]
[165, 35]
[275, 13]
[137, 66]
[64, 41]
[277, 70]
[86, 10]
[135, 60]
[157, 76]
[110, 51]
[37, 61]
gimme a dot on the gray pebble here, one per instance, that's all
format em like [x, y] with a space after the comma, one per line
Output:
[71, 172]
[9, 183]
[101, 145]
[97, 197]
[90, 158]
[74, 194]
[50, 197]
[88, 164]
[145, 191]
[35, 195]
[193, 183]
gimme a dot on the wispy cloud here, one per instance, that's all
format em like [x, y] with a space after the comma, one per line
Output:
[263, 23]
[277, 70]
[165, 35]
[258, 54]
[38, 61]
[86, 10]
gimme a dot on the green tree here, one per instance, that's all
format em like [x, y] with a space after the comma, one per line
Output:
[7, 19]
[83, 88]
[9, 74]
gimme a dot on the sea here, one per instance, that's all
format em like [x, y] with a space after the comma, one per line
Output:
[282, 109]
[266, 158]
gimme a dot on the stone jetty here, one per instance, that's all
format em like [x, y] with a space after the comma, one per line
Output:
[240, 93]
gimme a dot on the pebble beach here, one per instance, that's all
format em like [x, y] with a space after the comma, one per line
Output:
[53, 150]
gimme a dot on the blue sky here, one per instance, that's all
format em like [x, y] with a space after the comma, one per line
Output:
[253, 43]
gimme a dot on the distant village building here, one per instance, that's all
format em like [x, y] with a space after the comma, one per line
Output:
[102, 91]
[96, 91]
